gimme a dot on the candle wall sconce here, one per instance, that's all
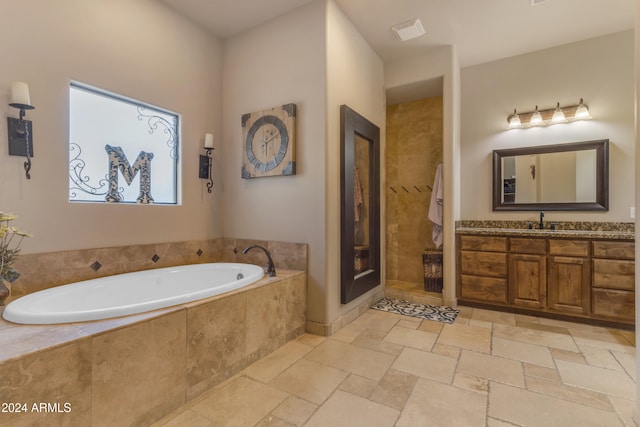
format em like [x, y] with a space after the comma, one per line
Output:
[20, 131]
[205, 161]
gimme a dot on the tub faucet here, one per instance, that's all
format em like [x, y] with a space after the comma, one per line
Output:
[271, 268]
[541, 225]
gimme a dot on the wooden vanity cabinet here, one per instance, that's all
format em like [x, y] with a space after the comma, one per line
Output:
[579, 278]
[613, 287]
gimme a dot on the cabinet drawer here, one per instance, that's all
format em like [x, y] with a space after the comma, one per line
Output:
[614, 274]
[483, 289]
[492, 264]
[614, 304]
[483, 243]
[569, 247]
[528, 246]
[618, 250]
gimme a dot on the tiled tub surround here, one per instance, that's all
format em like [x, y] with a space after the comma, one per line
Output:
[131, 370]
[136, 369]
[46, 270]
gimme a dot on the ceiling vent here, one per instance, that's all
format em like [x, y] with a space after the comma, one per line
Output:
[537, 2]
[408, 30]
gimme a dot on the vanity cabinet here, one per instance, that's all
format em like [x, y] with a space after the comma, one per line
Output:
[579, 278]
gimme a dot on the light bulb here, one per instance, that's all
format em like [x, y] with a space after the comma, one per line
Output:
[536, 118]
[514, 120]
[558, 115]
[582, 112]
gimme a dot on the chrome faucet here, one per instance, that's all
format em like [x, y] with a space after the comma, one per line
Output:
[541, 225]
[271, 268]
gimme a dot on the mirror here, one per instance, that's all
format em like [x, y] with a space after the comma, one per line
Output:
[566, 177]
[359, 205]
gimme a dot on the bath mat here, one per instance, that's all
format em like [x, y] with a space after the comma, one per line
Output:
[423, 311]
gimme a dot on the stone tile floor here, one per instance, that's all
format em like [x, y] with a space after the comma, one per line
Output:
[487, 369]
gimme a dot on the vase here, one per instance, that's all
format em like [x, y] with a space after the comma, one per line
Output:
[4, 291]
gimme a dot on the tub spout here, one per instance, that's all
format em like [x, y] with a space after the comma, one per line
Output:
[271, 268]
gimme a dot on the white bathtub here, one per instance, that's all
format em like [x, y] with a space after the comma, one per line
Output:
[130, 293]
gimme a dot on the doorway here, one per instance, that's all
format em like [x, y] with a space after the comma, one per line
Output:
[414, 150]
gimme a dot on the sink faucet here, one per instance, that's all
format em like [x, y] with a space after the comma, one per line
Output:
[271, 268]
[541, 225]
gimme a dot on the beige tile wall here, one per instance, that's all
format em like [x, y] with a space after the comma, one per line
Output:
[60, 375]
[46, 270]
[414, 150]
[139, 372]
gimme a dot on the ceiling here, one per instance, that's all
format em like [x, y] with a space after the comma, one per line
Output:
[481, 30]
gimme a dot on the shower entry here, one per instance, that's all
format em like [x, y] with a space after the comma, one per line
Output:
[414, 188]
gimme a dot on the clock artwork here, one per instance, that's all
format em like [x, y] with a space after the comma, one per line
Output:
[269, 142]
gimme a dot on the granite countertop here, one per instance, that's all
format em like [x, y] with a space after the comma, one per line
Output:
[586, 230]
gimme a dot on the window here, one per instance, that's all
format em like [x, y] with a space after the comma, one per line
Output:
[121, 150]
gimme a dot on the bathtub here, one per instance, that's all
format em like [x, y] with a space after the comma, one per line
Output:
[130, 293]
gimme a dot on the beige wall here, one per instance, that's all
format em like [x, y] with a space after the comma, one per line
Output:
[316, 59]
[600, 70]
[354, 78]
[137, 48]
[277, 63]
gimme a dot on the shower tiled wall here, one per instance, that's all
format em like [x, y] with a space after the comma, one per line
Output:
[414, 150]
[46, 270]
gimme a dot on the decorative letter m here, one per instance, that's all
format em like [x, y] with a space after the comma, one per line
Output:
[118, 161]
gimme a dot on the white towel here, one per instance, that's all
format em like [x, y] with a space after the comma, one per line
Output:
[435, 207]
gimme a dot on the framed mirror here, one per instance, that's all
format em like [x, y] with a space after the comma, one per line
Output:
[562, 177]
[359, 205]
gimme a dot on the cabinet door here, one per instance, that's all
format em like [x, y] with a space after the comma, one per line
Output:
[527, 280]
[569, 284]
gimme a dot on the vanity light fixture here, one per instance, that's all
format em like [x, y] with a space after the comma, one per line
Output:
[550, 116]
[20, 131]
[205, 161]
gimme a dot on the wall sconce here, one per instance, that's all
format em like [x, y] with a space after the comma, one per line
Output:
[549, 116]
[205, 161]
[20, 131]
